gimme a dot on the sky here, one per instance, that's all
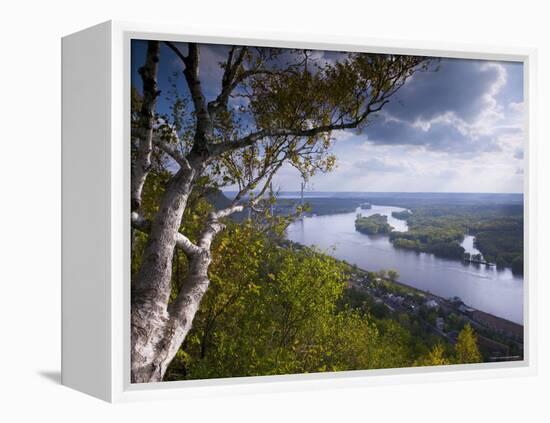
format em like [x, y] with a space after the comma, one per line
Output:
[459, 128]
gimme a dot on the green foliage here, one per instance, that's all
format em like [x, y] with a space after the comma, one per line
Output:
[279, 310]
[439, 229]
[274, 308]
[466, 351]
[502, 242]
[291, 91]
[436, 357]
[517, 265]
[393, 275]
[394, 345]
[321, 206]
[440, 241]
[466, 347]
[403, 215]
[373, 225]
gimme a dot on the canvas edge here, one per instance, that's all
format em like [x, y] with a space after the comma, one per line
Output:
[85, 278]
[121, 389]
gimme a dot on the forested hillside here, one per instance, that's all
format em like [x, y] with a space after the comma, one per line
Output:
[439, 229]
[275, 308]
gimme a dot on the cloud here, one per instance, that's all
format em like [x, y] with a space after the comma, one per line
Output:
[516, 107]
[441, 134]
[456, 130]
[448, 174]
[375, 164]
[518, 154]
[459, 86]
[455, 109]
[341, 135]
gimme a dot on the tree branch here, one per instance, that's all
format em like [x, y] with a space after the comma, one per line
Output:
[171, 150]
[142, 163]
[232, 78]
[213, 225]
[191, 73]
[182, 242]
[229, 81]
[220, 148]
[393, 79]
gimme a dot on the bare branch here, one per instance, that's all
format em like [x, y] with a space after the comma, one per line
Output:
[229, 80]
[171, 150]
[235, 74]
[139, 222]
[182, 242]
[191, 73]
[161, 138]
[142, 163]
[176, 50]
[213, 225]
[186, 245]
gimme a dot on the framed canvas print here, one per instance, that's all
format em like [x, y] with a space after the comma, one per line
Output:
[251, 212]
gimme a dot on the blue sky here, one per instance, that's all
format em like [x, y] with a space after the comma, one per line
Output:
[459, 129]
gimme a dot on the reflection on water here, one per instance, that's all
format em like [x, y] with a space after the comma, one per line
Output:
[495, 291]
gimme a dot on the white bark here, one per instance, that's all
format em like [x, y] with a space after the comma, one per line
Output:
[152, 285]
[158, 329]
[142, 161]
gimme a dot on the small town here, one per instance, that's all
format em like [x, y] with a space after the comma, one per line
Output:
[498, 338]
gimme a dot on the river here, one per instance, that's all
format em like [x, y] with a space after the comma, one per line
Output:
[495, 291]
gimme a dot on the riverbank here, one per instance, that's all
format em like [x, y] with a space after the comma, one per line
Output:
[514, 330]
[439, 229]
[494, 290]
[437, 221]
[444, 317]
[499, 339]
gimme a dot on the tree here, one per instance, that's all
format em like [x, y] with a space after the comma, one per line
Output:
[436, 357]
[382, 274]
[466, 349]
[393, 275]
[273, 107]
[272, 310]
[517, 265]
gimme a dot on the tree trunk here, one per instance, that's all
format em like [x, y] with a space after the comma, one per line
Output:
[159, 344]
[152, 284]
[142, 162]
[184, 308]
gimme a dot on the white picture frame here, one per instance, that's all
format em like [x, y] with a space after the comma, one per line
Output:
[96, 214]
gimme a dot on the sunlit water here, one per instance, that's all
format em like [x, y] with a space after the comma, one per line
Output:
[495, 291]
[468, 245]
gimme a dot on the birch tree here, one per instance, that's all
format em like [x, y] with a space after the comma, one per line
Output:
[272, 107]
